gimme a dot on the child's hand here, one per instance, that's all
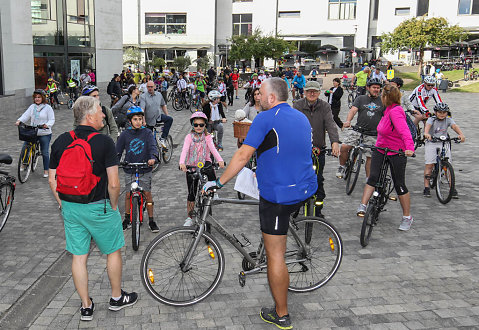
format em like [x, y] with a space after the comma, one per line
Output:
[222, 164]
[151, 162]
[223, 120]
[462, 137]
[183, 167]
[427, 136]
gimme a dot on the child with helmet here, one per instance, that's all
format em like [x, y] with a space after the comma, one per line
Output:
[139, 145]
[197, 148]
[216, 116]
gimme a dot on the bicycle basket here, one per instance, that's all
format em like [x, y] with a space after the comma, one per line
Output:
[240, 129]
[27, 133]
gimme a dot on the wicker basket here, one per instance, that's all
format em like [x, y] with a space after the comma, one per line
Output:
[241, 129]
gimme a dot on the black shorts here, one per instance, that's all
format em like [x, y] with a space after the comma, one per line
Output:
[223, 98]
[274, 218]
[202, 94]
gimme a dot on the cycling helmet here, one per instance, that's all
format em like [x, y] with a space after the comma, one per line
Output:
[430, 80]
[134, 110]
[441, 107]
[375, 81]
[213, 95]
[87, 90]
[438, 70]
[398, 81]
[50, 79]
[39, 91]
[198, 114]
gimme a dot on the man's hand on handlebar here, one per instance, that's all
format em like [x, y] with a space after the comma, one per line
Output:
[211, 185]
[347, 124]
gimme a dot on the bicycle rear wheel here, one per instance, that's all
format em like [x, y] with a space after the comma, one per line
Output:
[445, 182]
[24, 166]
[167, 152]
[311, 266]
[355, 167]
[136, 208]
[161, 267]
[369, 221]
[6, 201]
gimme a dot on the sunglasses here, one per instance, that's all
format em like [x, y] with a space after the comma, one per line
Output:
[198, 125]
[428, 85]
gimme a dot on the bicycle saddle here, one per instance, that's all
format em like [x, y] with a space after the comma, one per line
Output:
[5, 159]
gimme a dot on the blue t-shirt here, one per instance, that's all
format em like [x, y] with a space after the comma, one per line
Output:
[282, 139]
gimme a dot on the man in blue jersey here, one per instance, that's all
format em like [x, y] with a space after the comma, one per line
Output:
[281, 137]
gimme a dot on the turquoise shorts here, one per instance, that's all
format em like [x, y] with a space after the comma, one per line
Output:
[86, 221]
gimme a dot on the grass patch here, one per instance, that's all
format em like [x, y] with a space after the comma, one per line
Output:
[471, 88]
[416, 80]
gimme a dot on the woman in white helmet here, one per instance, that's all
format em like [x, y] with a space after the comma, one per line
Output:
[213, 110]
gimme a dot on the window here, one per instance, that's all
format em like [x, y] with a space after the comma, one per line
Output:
[342, 9]
[161, 23]
[289, 14]
[242, 0]
[41, 11]
[422, 7]
[242, 24]
[402, 11]
[348, 41]
[376, 9]
[468, 7]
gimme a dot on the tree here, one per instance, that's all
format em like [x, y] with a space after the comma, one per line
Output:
[203, 63]
[132, 55]
[418, 33]
[181, 63]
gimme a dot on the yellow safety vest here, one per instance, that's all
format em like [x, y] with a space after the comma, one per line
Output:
[52, 88]
[71, 83]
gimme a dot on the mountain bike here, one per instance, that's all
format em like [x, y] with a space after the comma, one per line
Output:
[51, 100]
[442, 177]
[165, 154]
[30, 153]
[180, 101]
[184, 265]
[7, 191]
[352, 94]
[380, 197]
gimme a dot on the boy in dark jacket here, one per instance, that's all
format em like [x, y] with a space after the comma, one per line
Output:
[139, 146]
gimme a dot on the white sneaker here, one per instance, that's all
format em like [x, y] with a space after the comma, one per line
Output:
[45, 175]
[361, 211]
[406, 223]
[340, 172]
[188, 222]
[162, 142]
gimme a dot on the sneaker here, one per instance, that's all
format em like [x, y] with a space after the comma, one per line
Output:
[153, 227]
[427, 192]
[163, 143]
[86, 314]
[269, 315]
[127, 299]
[236, 98]
[126, 224]
[361, 210]
[340, 172]
[188, 222]
[405, 223]
[454, 194]
[45, 175]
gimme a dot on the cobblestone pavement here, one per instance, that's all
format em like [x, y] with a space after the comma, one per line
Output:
[424, 278]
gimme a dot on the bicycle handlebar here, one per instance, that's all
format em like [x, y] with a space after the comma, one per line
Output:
[399, 152]
[125, 164]
[445, 139]
[28, 126]
[361, 130]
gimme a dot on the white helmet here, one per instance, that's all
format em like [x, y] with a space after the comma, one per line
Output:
[213, 95]
[430, 80]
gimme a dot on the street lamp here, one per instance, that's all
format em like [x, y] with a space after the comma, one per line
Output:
[354, 43]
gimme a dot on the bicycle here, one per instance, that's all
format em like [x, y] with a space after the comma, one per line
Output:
[137, 202]
[442, 177]
[30, 153]
[71, 99]
[165, 154]
[380, 197]
[180, 101]
[7, 191]
[420, 140]
[51, 100]
[196, 102]
[184, 265]
[352, 91]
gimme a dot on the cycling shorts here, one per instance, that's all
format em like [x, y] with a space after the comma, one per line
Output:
[274, 218]
[300, 90]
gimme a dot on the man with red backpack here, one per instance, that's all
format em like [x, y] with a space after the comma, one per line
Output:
[84, 179]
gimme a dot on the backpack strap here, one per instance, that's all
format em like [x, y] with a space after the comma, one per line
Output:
[73, 135]
[91, 135]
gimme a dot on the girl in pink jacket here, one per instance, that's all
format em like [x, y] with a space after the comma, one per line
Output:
[393, 133]
[197, 148]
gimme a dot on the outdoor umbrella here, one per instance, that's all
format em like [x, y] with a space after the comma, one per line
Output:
[328, 47]
[347, 49]
[326, 52]
[298, 53]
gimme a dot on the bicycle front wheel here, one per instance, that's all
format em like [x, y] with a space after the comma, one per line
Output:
[167, 152]
[369, 221]
[135, 222]
[311, 266]
[24, 166]
[177, 103]
[6, 201]
[445, 182]
[356, 160]
[168, 280]
[35, 158]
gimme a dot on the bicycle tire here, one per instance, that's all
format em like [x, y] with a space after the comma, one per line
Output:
[167, 153]
[136, 208]
[350, 100]
[163, 257]
[36, 159]
[323, 255]
[357, 159]
[7, 191]
[159, 149]
[445, 182]
[369, 221]
[177, 104]
[24, 160]
[70, 104]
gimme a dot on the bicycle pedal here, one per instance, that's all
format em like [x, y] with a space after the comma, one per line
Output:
[393, 198]
[242, 279]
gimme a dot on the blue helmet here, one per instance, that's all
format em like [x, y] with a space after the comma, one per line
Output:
[87, 90]
[134, 110]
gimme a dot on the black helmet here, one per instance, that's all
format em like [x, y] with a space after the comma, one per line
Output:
[375, 81]
[39, 91]
[441, 107]
[398, 81]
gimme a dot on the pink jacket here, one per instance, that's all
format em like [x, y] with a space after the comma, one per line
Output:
[393, 131]
[209, 144]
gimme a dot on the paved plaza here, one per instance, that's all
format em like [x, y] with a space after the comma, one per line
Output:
[426, 278]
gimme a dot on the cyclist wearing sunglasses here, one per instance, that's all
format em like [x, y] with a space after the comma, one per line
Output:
[421, 95]
[216, 116]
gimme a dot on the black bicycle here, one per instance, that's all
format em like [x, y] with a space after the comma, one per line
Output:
[420, 140]
[442, 177]
[381, 195]
[7, 191]
[165, 153]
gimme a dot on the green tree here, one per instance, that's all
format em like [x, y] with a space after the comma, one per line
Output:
[132, 55]
[157, 62]
[181, 63]
[419, 33]
[203, 63]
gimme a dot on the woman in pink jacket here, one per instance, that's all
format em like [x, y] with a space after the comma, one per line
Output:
[393, 133]
[198, 147]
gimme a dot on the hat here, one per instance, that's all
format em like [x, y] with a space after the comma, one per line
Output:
[240, 115]
[312, 85]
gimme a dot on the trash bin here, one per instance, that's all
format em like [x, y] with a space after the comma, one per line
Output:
[443, 85]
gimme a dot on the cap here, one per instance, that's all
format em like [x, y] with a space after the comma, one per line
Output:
[312, 85]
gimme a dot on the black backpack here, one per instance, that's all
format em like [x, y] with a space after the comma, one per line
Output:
[109, 89]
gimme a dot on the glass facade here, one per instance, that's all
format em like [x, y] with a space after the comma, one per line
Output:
[162, 23]
[242, 24]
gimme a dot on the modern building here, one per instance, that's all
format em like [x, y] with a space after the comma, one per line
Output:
[42, 38]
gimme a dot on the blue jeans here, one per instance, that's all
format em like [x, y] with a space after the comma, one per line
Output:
[168, 122]
[44, 147]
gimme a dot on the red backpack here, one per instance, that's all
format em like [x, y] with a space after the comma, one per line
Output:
[75, 179]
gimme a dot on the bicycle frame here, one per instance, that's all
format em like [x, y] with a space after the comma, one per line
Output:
[134, 193]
